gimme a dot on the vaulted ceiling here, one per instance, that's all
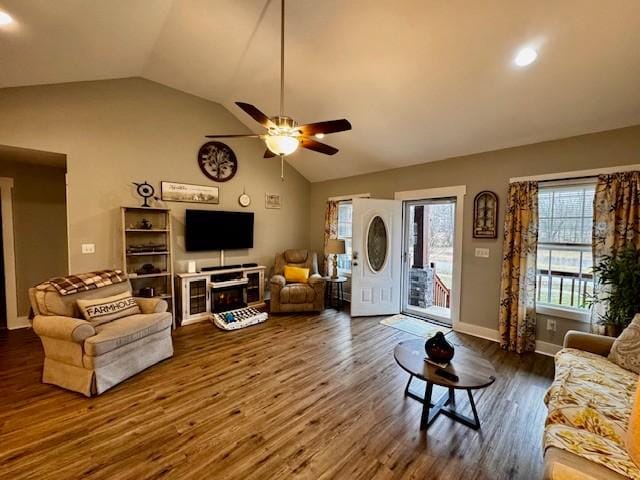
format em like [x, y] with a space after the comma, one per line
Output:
[420, 80]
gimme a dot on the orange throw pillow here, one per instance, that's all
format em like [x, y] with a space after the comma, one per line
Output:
[296, 274]
[633, 430]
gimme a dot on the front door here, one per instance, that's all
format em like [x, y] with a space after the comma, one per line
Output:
[376, 271]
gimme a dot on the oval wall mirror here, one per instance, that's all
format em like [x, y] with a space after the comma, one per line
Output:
[377, 243]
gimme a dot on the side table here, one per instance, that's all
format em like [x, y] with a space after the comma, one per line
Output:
[338, 284]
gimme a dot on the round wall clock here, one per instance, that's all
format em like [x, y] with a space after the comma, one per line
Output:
[244, 200]
[217, 161]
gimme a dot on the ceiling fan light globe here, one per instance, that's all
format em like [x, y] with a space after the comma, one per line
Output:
[282, 144]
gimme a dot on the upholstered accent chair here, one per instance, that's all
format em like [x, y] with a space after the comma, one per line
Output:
[91, 359]
[297, 297]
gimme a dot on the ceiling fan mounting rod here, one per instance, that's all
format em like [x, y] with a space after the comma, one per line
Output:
[282, 58]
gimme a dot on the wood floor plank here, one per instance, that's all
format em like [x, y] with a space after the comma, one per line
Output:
[305, 396]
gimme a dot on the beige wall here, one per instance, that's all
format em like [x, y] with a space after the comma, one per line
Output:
[40, 223]
[486, 171]
[115, 132]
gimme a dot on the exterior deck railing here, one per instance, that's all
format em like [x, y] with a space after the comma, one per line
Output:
[441, 294]
[563, 288]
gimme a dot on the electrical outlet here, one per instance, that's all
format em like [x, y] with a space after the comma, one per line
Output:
[551, 324]
[482, 252]
[88, 248]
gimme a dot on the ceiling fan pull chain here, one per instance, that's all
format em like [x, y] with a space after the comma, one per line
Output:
[282, 167]
[282, 59]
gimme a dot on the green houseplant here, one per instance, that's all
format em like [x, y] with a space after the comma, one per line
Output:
[619, 278]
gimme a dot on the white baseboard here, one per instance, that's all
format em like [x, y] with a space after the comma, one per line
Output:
[546, 348]
[20, 322]
[477, 331]
[543, 348]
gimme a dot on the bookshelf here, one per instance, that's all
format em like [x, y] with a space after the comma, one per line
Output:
[147, 253]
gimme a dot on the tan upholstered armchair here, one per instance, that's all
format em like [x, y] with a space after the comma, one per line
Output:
[88, 358]
[297, 297]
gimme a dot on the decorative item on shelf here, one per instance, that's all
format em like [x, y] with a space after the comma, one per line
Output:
[485, 215]
[147, 248]
[191, 266]
[148, 269]
[272, 200]
[147, 292]
[217, 161]
[335, 247]
[186, 192]
[146, 191]
[146, 224]
[244, 200]
[438, 349]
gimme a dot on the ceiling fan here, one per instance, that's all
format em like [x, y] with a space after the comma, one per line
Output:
[284, 135]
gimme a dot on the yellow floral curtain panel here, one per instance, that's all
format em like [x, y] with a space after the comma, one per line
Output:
[616, 222]
[518, 279]
[330, 228]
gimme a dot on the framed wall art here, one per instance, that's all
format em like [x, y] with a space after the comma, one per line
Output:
[186, 192]
[272, 200]
[485, 215]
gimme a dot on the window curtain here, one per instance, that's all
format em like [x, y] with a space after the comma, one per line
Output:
[518, 279]
[616, 224]
[330, 229]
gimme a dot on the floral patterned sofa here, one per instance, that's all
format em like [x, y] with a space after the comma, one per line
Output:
[589, 404]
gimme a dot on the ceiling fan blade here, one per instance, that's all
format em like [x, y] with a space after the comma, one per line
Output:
[233, 136]
[331, 126]
[317, 146]
[256, 114]
[268, 154]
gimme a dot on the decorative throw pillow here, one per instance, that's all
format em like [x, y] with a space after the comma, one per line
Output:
[296, 274]
[633, 429]
[104, 310]
[625, 350]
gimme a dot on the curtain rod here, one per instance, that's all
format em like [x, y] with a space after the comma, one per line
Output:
[576, 174]
[349, 197]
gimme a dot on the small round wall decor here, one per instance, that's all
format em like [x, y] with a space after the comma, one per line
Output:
[244, 200]
[217, 161]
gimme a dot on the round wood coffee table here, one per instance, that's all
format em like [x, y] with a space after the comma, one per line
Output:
[473, 371]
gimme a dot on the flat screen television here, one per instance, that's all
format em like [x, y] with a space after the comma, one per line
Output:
[217, 230]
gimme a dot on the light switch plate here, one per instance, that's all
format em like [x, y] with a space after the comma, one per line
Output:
[482, 252]
[88, 248]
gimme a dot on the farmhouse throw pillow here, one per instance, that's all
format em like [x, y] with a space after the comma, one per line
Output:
[104, 310]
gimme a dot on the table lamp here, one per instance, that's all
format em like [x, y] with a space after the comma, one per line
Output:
[335, 247]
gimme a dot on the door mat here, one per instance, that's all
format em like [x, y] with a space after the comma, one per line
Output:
[415, 326]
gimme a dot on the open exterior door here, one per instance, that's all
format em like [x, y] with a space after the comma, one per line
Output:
[376, 269]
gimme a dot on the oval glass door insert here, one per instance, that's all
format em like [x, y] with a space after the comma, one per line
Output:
[377, 244]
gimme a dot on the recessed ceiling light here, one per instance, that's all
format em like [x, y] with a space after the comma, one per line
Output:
[526, 56]
[5, 18]
[319, 136]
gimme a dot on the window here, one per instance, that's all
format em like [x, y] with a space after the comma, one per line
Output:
[564, 276]
[344, 233]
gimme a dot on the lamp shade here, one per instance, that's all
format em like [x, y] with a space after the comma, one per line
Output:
[334, 246]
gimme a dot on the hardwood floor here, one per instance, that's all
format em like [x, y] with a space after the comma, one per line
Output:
[300, 396]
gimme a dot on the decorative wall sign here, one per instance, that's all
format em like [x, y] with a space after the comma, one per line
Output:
[185, 192]
[485, 215]
[217, 161]
[377, 244]
[146, 191]
[272, 200]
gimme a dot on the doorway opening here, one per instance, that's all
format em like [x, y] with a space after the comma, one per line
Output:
[33, 206]
[428, 258]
